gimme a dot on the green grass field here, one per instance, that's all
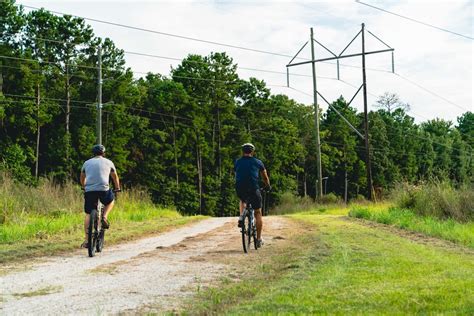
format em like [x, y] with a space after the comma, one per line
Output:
[341, 266]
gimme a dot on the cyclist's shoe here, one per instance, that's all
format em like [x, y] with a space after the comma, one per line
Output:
[84, 244]
[105, 223]
[259, 243]
[241, 222]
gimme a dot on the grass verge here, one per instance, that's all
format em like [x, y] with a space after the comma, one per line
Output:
[449, 229]
[338, 266]
[48, 218]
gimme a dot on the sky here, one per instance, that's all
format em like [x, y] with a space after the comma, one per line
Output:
[425, 58]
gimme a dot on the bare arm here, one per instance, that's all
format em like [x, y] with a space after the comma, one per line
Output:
[83, 179]
[265, 177]
[116, 180]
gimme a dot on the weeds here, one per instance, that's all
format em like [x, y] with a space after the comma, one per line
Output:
[438, 199]
[290, 204]
[48, 218]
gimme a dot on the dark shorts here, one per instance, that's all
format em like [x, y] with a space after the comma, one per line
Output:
[91, 198]
[252, 196]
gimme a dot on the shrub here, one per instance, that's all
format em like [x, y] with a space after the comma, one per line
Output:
[290, 203]
[438, 199]
[330, 198]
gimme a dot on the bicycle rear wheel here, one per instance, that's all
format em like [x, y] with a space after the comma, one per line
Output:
[100, 240]
[100, 230]
[92, 233]
[245, 230]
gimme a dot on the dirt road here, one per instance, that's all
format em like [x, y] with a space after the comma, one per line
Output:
[152, 274]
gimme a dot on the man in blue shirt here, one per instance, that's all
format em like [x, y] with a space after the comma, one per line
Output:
[247, 170]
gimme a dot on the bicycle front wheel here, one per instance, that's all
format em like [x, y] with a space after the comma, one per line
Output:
[245, 230]
[254, 234]
[91, 233]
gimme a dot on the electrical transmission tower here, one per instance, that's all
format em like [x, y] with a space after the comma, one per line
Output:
[316, 93]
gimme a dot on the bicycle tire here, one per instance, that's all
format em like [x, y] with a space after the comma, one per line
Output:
[250, 230]
[91, 233]
[100, 241]
[100, 230]
[254, 233]
[244, 231]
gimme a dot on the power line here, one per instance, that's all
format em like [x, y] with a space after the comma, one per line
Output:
[431, 92]
[245, 68]
[440, 144]
[189, 38]
[164, 33]
[414, 20]
[46, 62]
[162, 114]
[192, 61]
[48, 99]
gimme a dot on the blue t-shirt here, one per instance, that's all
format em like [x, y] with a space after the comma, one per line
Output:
[246, 172]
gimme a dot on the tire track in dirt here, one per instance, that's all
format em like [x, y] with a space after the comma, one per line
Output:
[151, 274]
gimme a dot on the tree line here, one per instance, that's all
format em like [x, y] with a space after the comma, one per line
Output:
[178, 135]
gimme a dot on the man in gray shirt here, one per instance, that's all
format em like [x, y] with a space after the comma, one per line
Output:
[95, 174]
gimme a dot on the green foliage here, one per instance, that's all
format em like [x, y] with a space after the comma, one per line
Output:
[13, 160]
[330, 198]
[437, 199]
[289, 203]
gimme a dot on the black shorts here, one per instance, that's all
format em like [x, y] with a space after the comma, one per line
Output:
[91, 198]
[252, 196]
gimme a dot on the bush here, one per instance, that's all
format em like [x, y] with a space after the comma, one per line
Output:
[290, 203]
[438, 199]
[330, 198]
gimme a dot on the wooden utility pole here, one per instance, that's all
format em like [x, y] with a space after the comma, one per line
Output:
[99, 99]
[38, 128]
[366, 121]
[319, 186]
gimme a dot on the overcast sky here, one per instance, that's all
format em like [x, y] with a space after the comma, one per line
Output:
[438, 61]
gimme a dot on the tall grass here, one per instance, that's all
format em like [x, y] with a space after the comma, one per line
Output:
[438, 199]
[290, 203]
[48, 209]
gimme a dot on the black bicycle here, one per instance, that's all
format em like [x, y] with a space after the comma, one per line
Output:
[95, 231]
[249, 228]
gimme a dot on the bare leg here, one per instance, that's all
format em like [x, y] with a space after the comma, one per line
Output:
[242, 206]
[86, 224]
[108, 208]
[258, 217]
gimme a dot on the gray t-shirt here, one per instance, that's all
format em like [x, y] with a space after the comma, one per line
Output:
[97, 172]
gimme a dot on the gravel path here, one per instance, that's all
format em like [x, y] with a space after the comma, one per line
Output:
[155, 270]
